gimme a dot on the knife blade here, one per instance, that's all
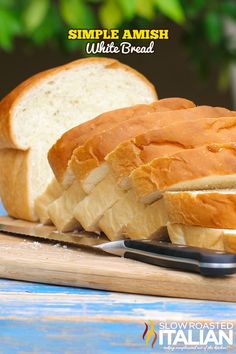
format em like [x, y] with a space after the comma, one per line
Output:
[47, 232]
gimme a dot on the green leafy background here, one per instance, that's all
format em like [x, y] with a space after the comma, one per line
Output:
[41, 22]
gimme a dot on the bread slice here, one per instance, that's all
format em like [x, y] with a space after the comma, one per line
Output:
[147, 224]
[92, 207]
[215, 209]
[127, 128]
[53, 191]
[196, 236]
[132, 219]
[60, 153]
[207, 167]
[59, 211]
[37, 112]
[166, 141]
[156, 143]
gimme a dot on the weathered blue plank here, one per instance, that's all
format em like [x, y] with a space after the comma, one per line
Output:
[37, 318]
[16, 296]
[77, 338]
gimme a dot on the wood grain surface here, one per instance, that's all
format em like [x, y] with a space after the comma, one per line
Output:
[23, 258]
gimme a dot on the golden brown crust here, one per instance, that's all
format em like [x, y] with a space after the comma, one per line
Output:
[61, 152]
[13, 181]
[186, 132]
[208, 209]
[7, 137]
[196, 236]
[188, 165]
[92, 153]
[89, 156]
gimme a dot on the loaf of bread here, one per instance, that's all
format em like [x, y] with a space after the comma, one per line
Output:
[197, 236]
[37, 112]
[88, 167]
[122, 162]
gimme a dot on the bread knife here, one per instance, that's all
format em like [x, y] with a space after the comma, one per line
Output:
[205, 262]
[195, 259]
[49, 233]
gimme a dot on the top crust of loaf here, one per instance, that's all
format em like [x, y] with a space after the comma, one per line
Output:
[201, 168]
[61, 152]
[184, 134]
[7, 105]
[215, 209]
[87, 157]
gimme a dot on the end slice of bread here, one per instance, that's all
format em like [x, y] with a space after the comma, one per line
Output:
[40, 110]
[196, 236]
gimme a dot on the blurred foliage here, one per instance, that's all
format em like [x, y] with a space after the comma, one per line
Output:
[47, 21]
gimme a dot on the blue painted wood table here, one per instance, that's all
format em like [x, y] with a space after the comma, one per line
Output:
[36, 318]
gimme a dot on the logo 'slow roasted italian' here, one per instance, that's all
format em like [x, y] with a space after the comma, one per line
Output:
[190, 336]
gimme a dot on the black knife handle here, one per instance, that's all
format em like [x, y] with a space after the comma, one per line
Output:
[204, 261]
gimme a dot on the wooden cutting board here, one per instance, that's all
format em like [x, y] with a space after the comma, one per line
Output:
[24, 258]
